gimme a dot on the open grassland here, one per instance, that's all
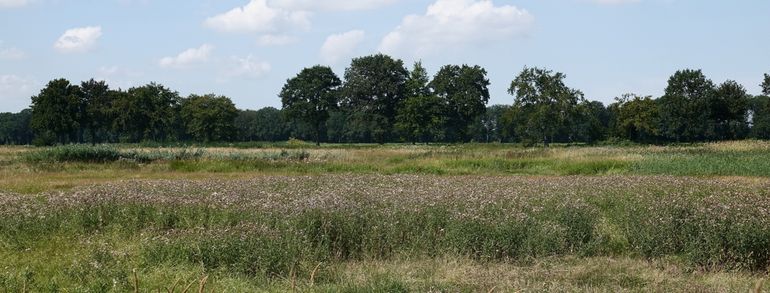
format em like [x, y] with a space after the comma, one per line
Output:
[32, 170]
[392, 218]
[392, 233]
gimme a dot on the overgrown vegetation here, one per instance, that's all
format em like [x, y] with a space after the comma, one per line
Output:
[265, 230]
[387, 218]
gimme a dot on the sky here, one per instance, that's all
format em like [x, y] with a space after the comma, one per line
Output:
[247, 49]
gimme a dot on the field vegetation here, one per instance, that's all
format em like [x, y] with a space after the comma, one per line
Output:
[385, 218]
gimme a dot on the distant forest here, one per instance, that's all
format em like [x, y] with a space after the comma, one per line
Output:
[379, 100]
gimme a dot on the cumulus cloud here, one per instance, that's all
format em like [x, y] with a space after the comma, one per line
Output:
[13, 3]
[330, 5]
[78, 40]
[340, 46]
[451, 23]
[15, 92]
[188, 57]
[276, 40]
[249, 66]
[258, 16]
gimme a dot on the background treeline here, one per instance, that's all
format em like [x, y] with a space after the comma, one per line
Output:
[380, 100]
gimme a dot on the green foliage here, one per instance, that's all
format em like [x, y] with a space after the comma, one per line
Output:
[310, 96]
[760, 114]
[728, 111]
[546, 103]
[766, 85]
[636, 118]
[149, 112]
[209, 118]
[15, 128]
[422, 119]
[96, 100]
[56, 112]
[491, 126]
[464, 91]
[375, 87]
[684, 109]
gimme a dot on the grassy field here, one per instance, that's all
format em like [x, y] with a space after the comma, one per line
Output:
[392, 218]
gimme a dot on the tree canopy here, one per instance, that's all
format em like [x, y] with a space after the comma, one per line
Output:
[310, 96]
[549, 105]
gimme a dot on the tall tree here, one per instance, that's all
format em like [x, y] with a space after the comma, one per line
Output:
[310, 96]
[548, 103]
[464, 90]
[591, 123]
[209, 117]
[489, 126]
[149, 112]
[96, 106]
[728, 112]
[766, 85]
[375, 86]
[422, 119]
[15, 128]
[636, 118]
[421, 116]
[56, 112]
[684, 107]
[417, 85]
[760, 117]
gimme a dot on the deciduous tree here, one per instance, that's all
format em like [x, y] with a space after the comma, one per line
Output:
[465, 94]
[549, 105]
[310, 96]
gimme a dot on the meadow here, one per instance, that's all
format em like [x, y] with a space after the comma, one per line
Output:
[385, 218]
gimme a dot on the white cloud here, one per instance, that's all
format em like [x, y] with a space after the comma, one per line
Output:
[448, 24]
[13, 3]
[249, 66]
[188, 57]
[276, 40]
[330, 5]
[78, 40]
[15, 92]
[341, 45]
[257, 16]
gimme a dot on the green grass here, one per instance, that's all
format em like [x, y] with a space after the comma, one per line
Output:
[89, 240]
[391, 218]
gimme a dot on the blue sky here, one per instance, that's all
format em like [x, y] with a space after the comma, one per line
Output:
[246, 49]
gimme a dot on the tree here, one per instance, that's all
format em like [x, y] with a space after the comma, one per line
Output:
[417, 84]
[96, 104]
[209, 117]
[728, 111]
[422, 119]
[636, 118]
[760, 117]
[15, 128]
[464, 91]
[375, 86]
[310, 96]
[685, 106]
[489, 126]
[548, 103]
[591, 123]
[766, 85]
[55, 112]
[149, 112]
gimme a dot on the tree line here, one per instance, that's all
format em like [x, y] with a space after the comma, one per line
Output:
[380, 100]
